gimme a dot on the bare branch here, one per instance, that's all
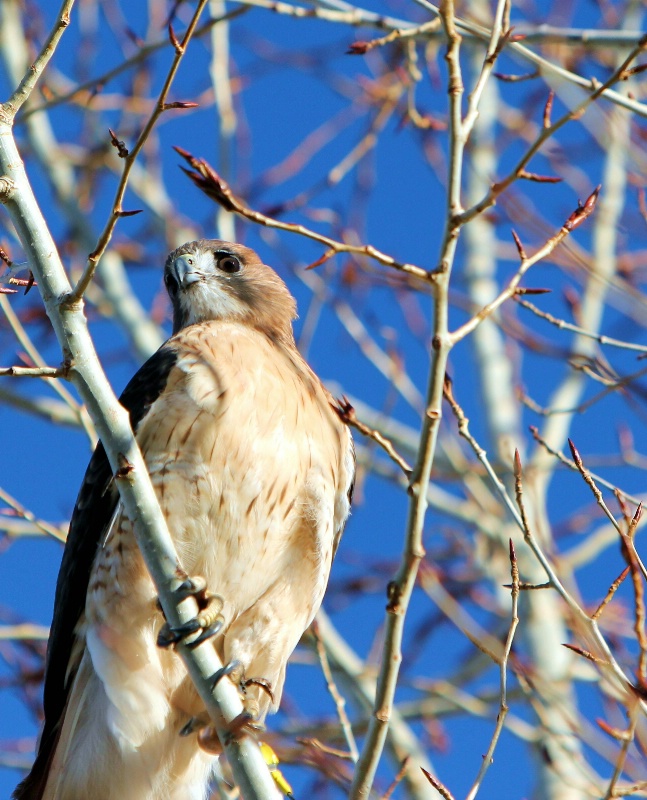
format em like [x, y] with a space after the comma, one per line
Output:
[503, 677]
[134, 484]
[574, 220]
[129, 161]
[11, 107]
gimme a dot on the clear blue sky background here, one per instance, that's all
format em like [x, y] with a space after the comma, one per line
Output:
[42, 466]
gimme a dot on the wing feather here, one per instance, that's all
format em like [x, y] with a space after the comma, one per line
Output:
[93, 512]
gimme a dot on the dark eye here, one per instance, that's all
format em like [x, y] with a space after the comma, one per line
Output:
[171, 284]
[229, 264]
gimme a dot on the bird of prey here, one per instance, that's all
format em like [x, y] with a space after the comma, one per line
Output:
[253, 469]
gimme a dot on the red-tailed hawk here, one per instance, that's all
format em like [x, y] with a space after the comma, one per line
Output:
[253, 470]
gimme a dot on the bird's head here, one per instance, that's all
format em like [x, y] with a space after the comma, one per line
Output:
[215, 280]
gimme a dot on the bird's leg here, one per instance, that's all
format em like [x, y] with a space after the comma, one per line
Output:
[248, 721]
[209, 620]
[262, 683]
[208, 739]
[234, 670]
[207, 735]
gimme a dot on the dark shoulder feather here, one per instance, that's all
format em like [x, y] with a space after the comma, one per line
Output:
[95, 506]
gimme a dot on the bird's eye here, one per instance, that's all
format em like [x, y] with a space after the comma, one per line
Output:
[171, 284]
[229, 264]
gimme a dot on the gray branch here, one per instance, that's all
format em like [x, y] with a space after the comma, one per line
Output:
[112, 422]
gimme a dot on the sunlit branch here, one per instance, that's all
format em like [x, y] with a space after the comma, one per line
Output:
[340, 703]
[131, 475]
[11, 107]
[160, 107]
[30, 349]
[575, 219]
[25, 631]
[503, 677]
[34, 372]
[23, 513]
[606, 661]
[208, 180]
[85, 91]
[600, 338]
[401, 587]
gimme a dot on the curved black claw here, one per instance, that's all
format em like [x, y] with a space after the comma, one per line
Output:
[192, 726]
[243, 724]
[208, 622]
[234, 668]
[195, 586]
[171, 635]
[262, 683]
[168, 635]
[208, 631]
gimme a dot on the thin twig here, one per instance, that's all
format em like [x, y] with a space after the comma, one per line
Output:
[398, 778]
[30, 349]
[160, 107]
[397, 34]
[442, 790]
[572, 465]
[23, 513]
[590, 482]
[569, 326]
[400, 589]
[208, 180]
[637, 575]
[607, 662]
[503, 676]
[35, 372]
[609, 595]
[581, 213]
[11, 107]
[340, 703]
[347, 414]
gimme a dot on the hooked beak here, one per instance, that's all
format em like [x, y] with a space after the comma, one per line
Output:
[184, 269]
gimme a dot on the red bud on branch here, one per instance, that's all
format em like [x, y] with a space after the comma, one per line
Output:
[582, 212]
[357, 48]
[533, 176]
[180, 104]
[517, 241]
[174, 40]
[548, 108]
[120, 147]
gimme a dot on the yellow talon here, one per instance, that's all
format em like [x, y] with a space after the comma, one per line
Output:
[272, 761]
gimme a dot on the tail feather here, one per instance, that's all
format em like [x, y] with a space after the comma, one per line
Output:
[33, 786]
[75, 706]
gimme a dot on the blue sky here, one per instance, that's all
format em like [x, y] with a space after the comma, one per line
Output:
[291, 77]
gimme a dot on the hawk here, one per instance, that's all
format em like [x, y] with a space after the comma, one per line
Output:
[253, 470]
